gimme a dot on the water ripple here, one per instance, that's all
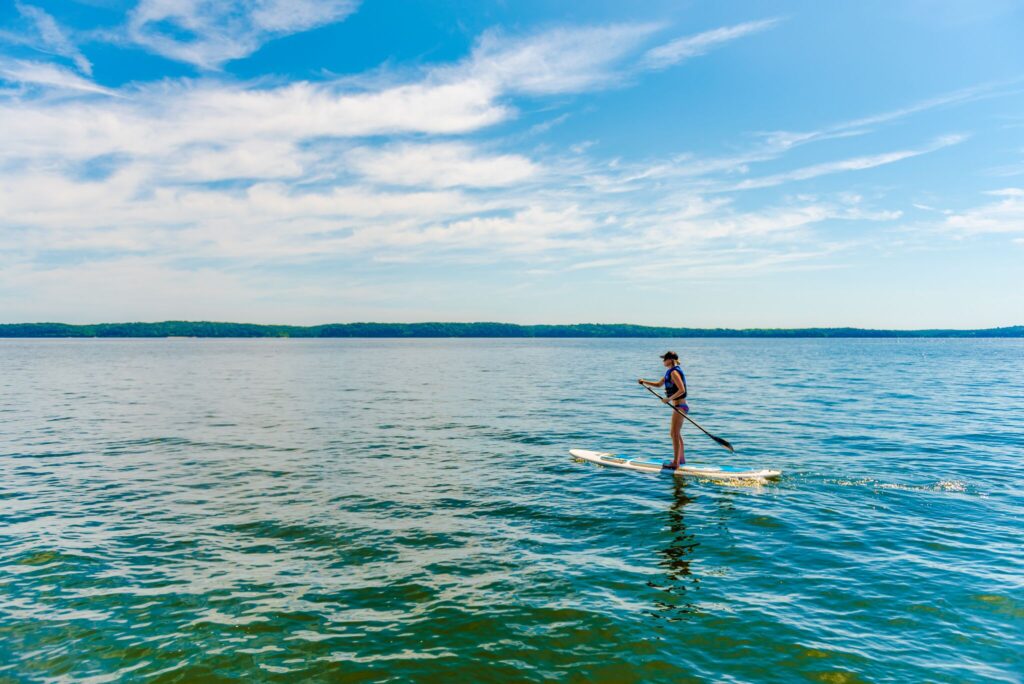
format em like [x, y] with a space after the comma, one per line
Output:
[395, 510]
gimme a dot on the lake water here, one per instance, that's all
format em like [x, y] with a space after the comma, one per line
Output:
[406, 510]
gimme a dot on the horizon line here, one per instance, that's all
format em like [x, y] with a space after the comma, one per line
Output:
[450, 329]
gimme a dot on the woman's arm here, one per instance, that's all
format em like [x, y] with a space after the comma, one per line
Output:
[652, 383]
[677, 380]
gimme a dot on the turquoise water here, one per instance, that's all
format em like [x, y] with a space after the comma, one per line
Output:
[385, 510]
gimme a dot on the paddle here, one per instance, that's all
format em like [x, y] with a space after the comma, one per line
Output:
[721, 441]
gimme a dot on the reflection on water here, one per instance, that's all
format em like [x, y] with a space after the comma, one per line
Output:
[258, 510]
[679, 583]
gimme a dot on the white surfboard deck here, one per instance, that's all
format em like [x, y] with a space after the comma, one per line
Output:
[650, 465]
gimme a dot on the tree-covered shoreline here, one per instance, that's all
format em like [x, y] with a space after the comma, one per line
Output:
[435, 330]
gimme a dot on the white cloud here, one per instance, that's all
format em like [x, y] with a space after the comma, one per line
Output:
[528, 230]
[158, 120]
[47, 75]
[440, 165]
[781, 141]
[1003, 216]
[330, 172]
[545, 126]
[208, 33]
[625, 177]
[252, 159]
[715, 225]
[686, 47]
[741, 262]
[555, 61]
[273, 221]
[46, 35]
[161, 118]
[54, 201]
[854, 164]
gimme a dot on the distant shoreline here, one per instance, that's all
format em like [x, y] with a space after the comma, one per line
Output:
[464, 330]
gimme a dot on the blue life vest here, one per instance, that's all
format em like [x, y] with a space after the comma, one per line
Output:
[670, 388]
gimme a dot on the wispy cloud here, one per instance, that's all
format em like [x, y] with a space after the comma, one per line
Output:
[785, 140]
[169, 117]
[720, 171]
[48, 75]
[395, 165]
[742, 262]
[208, 33]
[684, 48]
[853, 164]
[446, 99]
[44, 34]
[1003, 216]
[556, 61]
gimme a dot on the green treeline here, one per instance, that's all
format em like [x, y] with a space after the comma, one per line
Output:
[210, 329]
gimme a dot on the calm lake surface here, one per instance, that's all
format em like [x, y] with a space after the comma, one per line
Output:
[396, 510]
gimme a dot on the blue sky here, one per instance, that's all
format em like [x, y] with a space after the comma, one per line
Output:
[671, 163]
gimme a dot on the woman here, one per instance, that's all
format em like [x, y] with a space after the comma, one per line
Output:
[675, 395]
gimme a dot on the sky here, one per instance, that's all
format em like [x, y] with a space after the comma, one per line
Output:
[700, 164]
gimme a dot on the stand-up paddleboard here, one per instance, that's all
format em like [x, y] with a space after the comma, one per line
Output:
[650, 465]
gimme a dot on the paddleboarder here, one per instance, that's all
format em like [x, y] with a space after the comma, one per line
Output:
[674, 383]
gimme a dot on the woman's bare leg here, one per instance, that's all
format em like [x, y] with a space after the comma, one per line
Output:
[678, 456]
[682, 447]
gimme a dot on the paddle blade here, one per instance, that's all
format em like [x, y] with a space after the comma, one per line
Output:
[723, 443]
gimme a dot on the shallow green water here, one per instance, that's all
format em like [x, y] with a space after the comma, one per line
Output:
[380, 510]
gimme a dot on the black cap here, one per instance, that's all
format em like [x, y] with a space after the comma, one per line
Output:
[670, 355]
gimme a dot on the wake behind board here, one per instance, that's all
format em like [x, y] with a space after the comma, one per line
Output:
[650, 465]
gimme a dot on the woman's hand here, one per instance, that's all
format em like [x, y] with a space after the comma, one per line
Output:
[642, 381]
